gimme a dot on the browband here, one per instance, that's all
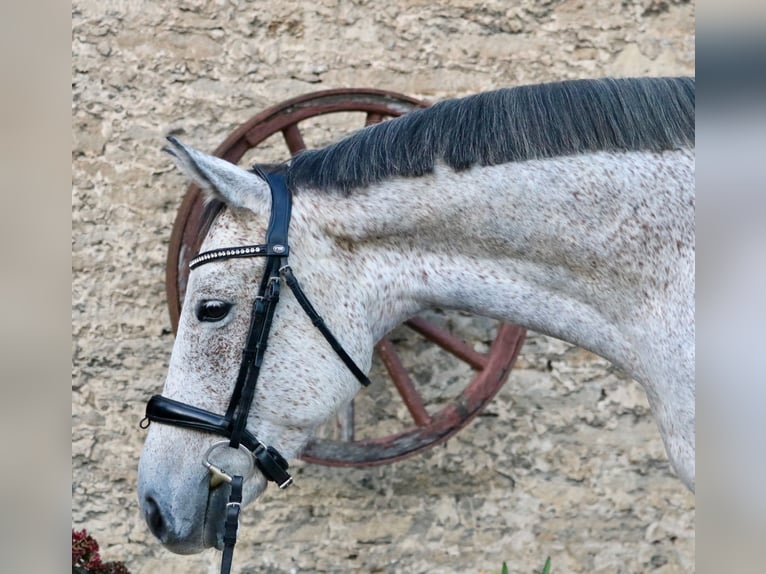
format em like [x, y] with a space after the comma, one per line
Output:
[264, 249]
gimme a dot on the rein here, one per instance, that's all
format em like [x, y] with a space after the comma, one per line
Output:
[233, 424]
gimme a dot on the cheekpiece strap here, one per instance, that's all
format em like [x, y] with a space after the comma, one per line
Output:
[281, 210]
[276, 236]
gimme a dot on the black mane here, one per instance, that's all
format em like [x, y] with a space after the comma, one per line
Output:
[512, 124]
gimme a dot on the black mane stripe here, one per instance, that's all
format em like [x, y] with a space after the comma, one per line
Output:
[507, 125]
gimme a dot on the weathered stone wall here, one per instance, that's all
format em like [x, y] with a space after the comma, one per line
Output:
[566, 461]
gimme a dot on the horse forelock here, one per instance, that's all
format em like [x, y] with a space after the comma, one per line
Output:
[508, 125]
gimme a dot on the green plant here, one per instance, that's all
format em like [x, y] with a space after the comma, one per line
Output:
[546, 569]
[85, 557]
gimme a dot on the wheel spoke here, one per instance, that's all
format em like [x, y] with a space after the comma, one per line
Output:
[293, 139]
[412, 399]
[373, 118]
[448, 342]
[346, 423]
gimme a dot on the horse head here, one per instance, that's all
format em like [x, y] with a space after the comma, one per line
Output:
[301, 382]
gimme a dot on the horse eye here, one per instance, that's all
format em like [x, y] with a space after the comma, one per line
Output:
[212, 311]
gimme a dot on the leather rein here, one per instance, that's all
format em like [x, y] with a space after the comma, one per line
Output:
[233, 424]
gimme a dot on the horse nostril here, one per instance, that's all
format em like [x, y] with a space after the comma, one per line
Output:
[153, 517]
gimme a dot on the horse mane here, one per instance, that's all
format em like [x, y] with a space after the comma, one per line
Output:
[508, 125]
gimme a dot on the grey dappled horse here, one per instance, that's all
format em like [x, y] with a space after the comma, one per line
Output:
[567, 208]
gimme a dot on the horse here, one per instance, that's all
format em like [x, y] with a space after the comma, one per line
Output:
[564, 207]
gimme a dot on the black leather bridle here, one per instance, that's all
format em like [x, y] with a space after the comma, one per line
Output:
[232, 425]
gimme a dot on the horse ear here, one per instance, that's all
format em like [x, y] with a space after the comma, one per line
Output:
[220, 178]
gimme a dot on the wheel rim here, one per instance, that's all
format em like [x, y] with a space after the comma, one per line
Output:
[491, 368]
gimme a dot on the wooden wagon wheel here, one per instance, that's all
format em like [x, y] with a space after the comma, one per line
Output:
[491, 368]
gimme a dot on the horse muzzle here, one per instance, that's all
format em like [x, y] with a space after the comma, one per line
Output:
[181, 498]
[187, 524]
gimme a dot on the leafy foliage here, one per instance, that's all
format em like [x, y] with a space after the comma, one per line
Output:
[86, 559]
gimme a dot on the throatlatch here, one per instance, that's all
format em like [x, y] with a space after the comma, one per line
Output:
[233, 424]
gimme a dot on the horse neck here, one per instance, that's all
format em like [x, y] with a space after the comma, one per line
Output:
[570, 247]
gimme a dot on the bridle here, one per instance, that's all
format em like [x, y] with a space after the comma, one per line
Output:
[233, 424]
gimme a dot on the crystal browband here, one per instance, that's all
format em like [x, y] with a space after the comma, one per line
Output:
[264, 249]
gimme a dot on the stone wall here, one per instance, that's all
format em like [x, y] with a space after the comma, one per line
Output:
[566, 460]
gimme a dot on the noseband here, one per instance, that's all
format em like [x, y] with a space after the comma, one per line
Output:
[232, 425]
